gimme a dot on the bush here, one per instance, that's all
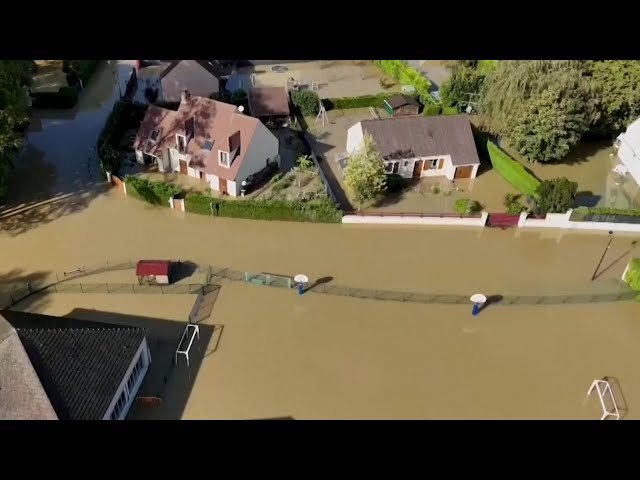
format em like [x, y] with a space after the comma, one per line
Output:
[432, 110]
[156, 193]
[465, 206]
[66, 97]
[511, 201]
[403, 73]
[632, 275]
[84, 69]
[365, 101]
[556, 196]
[512, 171]
[396, 183]
[323, 211]
[307, 102]
[450, 111]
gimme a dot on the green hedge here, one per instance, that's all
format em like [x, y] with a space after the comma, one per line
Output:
[450, 111]
[432, 110]
[123, 116]
[322, 212]
[66, 97]
[512, 171]
[403, 73]
[156, 193]
[376, 101]
[603, 214]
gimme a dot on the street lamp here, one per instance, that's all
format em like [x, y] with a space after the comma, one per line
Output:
[595, 272]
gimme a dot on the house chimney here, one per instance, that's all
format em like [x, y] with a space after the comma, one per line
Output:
[185, 96]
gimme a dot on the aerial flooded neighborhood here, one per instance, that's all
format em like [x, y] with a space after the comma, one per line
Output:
[319, 239]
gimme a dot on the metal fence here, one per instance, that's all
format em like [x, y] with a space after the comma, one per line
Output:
[66, 282]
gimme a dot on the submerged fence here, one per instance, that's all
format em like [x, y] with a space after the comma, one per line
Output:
[66, 282]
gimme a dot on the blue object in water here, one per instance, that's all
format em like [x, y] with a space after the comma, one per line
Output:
[300, 289]
[476, 309]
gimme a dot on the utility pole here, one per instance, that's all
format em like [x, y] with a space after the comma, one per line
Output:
[595, 273]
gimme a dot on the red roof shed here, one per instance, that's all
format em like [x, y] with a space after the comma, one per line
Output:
[146, 268]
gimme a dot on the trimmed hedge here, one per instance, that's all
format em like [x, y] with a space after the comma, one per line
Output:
[376, 101]
[403, 73]
[601, 214]
[432, 110]
[323, 211]
[512, 171]
[123, 117]
[156, 193]
[66, 97]
[450, 111]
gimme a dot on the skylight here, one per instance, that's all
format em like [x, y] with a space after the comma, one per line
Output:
[154, 135]
[208, 145]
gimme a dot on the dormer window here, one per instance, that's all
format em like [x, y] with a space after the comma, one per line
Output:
[154, 135]
[223, 158]
[208, 145]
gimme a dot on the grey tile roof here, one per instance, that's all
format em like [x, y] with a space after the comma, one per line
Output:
[421, 136]
[397, 101]
[79, 363]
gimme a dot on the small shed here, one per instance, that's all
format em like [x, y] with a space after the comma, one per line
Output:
[154, 272]
[401, 105]
[269, 104]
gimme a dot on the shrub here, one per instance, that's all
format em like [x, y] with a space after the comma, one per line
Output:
[156, 193]
[322, 211]
[556, 196]
[279, 186]
[613, 215]
[512, 171]
[396, 183]
[66, 97]
[432, 110]
[307, 101]
[403, 73]
[465, 206]
[450, 111]
[365, 101]
[632, 275]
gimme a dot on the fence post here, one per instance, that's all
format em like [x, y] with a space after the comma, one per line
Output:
[107, 287]
[81, 288]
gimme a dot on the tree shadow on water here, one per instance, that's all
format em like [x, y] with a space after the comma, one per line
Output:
[318, 282]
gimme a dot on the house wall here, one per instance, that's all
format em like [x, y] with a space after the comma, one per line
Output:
[163, 162]
[213, 180]
[355, 136]
[561, 220]
[143, 351]
[407, 171]
[175, 158]
[139, 156]
[263, 147]
[629, 158]
[189, 75]
[406, 110]
[418, 220]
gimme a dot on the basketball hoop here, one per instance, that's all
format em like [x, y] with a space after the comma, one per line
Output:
[478, 300]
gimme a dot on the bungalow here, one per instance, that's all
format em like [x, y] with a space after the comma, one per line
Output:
[200, 77]
[419, 146]
[206, 139]
[60, 368]
[628, 145]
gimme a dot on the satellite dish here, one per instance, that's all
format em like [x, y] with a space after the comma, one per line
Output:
[241, 109]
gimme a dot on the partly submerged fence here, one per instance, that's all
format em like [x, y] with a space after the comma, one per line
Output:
[212, 275]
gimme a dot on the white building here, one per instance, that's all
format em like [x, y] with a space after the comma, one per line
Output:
[628, 145]
[206, 139]
[421, 146]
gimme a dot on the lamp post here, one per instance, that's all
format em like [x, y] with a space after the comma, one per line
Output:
[604, 253]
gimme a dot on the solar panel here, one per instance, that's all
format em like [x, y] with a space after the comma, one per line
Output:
[208, 145]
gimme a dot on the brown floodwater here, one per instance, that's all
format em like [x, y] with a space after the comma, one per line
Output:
[274, 354]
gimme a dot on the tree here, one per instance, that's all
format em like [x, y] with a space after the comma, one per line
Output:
[463, 86]
[547, 126]
[307, 101]
[364, 175]
[556, 196]
[616, 84]
[514, 82]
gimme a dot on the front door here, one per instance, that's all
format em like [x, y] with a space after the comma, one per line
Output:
[222, 186]
[417, 168]
[183, 167]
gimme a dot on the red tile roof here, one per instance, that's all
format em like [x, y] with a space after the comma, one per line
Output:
[145, 268]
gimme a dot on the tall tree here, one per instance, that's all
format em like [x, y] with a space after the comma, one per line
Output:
[556, 195]
[546, 127]
[617, 84]
[364, 175]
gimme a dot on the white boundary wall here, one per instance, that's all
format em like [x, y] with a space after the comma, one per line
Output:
[417, 220]
[561, 220]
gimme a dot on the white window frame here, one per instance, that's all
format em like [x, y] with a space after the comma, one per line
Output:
[433, 163]
[405, 164]
[154, 140]
[389, 166]
[178, 143]
[220, 154]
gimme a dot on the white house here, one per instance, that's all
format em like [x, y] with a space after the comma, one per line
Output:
[421, 146]
[208, 140]
[628, 145]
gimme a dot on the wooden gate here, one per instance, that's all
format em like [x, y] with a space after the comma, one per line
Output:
[503, 220]
[417, 168]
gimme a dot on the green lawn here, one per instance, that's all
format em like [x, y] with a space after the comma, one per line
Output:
[512, 171]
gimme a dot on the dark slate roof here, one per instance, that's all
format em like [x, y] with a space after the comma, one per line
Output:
[420, 136]
[79, 363]
[398, 101]
[208, 65]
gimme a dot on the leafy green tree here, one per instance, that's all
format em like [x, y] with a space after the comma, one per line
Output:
[547, 126]
[616, 83]
[307, 101]
[556, 196]
[364, 175]
[464, 86]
